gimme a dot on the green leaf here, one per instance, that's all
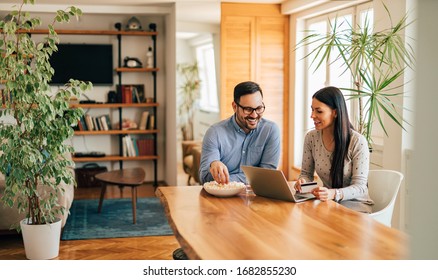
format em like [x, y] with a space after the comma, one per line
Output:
[375, 60]
[32, 152]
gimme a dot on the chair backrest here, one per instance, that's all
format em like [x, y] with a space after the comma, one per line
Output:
[196, 152]
[383, 186]
[191, 150]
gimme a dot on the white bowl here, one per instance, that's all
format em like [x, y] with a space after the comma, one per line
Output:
[224, 190]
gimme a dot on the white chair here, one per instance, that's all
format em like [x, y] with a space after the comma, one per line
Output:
[383, 186]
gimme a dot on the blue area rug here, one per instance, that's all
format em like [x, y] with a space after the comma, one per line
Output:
[115, 219]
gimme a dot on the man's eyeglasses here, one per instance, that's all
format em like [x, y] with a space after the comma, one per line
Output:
[249, 110]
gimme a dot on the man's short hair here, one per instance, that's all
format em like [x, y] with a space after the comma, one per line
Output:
[245, 88]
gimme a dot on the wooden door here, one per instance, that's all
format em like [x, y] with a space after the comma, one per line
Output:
[255, 46]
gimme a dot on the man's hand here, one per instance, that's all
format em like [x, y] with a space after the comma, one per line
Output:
[219, 171]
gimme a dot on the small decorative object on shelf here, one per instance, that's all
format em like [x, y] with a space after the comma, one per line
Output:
[152, 27]
[133, 24]
[112, 96]
[132, 62]
[143, 120]
[150, 58]
[127, 124]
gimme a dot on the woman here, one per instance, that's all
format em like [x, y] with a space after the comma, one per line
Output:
[338, 153]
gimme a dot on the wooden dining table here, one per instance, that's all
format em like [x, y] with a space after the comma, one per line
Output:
[245, 227]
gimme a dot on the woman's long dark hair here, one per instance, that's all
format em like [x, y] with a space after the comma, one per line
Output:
[333, 97]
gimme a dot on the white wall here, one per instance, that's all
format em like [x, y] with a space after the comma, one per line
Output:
[169, 131]
[423, 206]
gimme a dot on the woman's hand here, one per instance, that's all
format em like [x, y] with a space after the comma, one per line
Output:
[219, 171]
[298, 183]
[323, 193]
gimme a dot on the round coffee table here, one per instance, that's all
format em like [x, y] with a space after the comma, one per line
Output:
[132, 177]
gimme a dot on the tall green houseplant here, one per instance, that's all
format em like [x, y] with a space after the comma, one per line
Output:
[375, 60]
[189, 93]
[33, 148]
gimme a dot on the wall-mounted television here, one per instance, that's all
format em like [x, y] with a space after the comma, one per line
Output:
[85, 62]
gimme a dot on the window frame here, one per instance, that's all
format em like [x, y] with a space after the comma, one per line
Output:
[209, 99]
[303, 96]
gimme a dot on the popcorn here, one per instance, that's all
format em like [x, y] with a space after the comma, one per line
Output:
[231, 185]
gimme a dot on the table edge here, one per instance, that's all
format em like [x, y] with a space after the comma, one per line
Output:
[188, 250]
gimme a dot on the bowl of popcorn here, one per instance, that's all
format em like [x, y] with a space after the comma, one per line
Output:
[224, 190]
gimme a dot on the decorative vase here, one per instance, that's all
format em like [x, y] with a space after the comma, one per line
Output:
[41, 242]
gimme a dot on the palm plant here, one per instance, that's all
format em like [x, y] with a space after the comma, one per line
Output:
[375, 61]
[189, 90]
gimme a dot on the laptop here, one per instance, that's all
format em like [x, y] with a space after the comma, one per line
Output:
[272, 183]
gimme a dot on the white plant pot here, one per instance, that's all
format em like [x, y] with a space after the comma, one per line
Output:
[41, 242]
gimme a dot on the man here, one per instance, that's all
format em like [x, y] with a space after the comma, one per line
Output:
[243, 139]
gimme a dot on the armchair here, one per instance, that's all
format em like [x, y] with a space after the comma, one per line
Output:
[191, 152]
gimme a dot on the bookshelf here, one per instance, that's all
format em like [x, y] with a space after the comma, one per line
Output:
[151, 106]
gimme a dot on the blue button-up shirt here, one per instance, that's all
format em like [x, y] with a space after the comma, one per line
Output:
[227, 142]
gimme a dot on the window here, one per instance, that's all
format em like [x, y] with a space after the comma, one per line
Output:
[207, 75]
[328, 74]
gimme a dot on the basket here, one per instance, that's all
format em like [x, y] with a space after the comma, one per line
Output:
[85, 175]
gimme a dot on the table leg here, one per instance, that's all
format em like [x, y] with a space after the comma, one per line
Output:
[121, 191]
[102, 194]
[134, 204]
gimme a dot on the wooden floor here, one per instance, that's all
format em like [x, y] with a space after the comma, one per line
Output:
[137, 248]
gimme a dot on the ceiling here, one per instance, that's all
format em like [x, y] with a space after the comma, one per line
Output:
[206, 11]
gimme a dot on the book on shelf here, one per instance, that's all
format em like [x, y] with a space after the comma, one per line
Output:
[130, 93]
[146, 146]
[82, 125]
[102, 120]
[134, 144]
[95, 123]
[143, 120]
[122, 92]
[108, 122]
[89, 122]
[137, 147]
[124, 149]
[131, 146]
[127, 94]
[151, 122]
[139, 94]
[78, 127]
[127, 142]
[135, 96]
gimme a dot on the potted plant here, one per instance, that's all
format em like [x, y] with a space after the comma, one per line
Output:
[33, 152]
[189, 90]
[375, 61]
